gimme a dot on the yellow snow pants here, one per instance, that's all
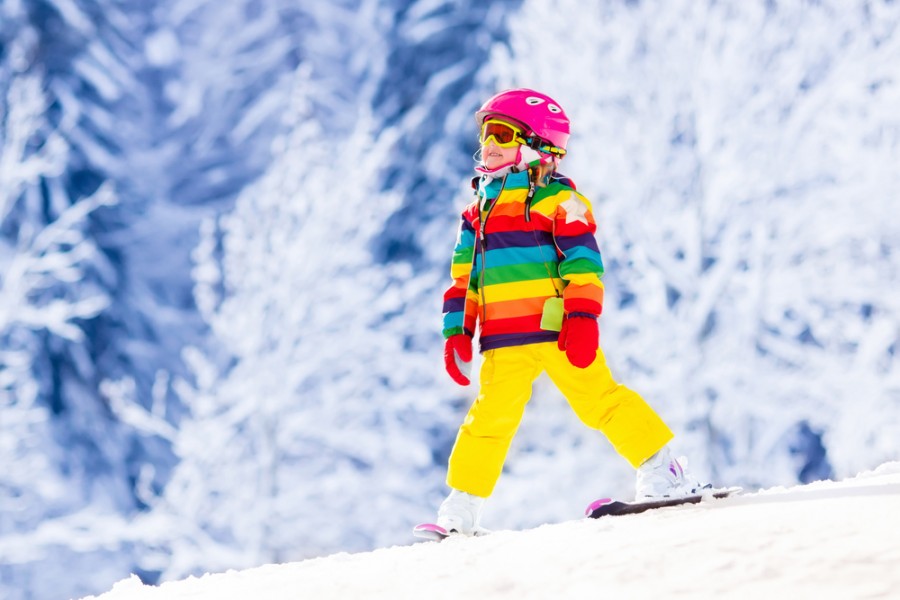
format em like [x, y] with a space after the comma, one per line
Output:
[631, 425]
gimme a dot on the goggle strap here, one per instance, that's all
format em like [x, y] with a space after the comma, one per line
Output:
[537, 144]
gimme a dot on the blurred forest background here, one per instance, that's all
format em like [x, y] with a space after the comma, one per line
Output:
[225, 230]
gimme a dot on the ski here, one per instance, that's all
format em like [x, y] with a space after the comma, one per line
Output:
[609, 507]
[431, 531]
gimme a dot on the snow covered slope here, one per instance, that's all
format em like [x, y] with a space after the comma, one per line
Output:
[823, 540]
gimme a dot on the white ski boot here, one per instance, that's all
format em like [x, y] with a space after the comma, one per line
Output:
[662, 476]
[461, 513]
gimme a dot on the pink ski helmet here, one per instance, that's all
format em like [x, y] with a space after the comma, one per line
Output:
[538, 112]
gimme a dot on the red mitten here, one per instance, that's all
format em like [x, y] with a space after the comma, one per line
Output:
[458, 358]
[580, 338]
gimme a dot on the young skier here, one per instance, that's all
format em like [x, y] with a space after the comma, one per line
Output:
[526, 269]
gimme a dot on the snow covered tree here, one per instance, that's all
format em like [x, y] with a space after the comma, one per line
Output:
[49, 293]
[743, 162]
[335, 410]
[121, 93]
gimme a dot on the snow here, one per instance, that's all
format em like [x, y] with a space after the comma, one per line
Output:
[824, 540]
[162, 48]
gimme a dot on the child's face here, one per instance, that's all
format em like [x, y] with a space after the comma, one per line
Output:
[494, 156]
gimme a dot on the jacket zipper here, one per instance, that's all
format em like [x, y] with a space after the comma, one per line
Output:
[537, 243]
[483, 246]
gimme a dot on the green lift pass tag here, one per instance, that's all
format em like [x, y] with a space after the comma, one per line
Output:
[552, 316]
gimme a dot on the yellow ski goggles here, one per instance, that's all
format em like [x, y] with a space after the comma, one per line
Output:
[504, 134]
[507, 135]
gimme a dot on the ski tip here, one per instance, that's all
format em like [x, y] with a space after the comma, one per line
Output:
[430, 531]
[593, 506]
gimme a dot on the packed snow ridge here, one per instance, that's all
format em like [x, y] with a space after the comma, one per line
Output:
[823, 540]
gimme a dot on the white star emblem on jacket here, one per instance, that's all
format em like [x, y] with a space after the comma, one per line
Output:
[576, 209]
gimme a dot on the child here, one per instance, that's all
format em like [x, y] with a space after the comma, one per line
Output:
[527, 269]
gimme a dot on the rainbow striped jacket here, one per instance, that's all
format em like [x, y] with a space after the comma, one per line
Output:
[511, 255]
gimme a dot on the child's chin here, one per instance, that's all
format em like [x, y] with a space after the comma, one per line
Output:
[496, 163]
